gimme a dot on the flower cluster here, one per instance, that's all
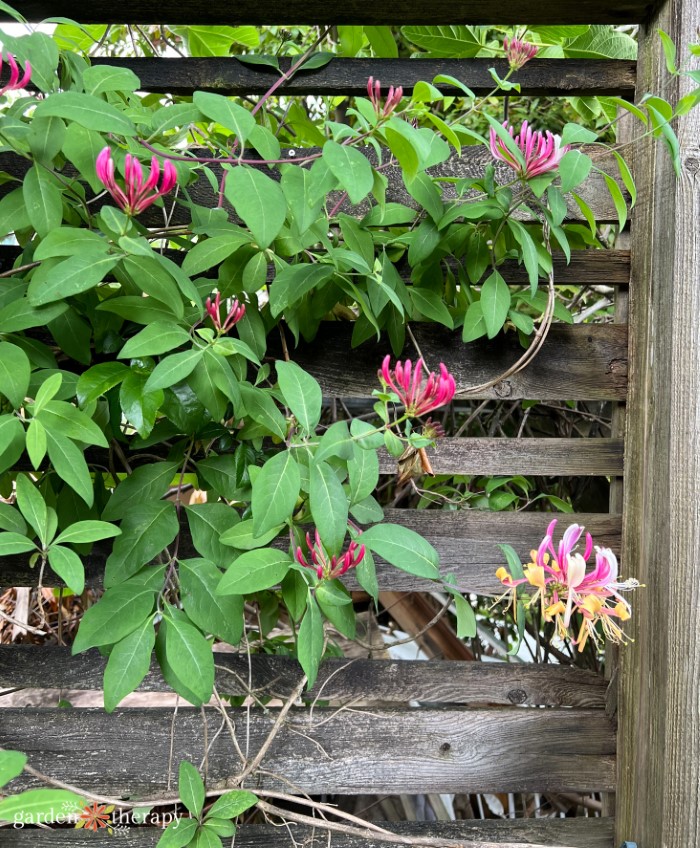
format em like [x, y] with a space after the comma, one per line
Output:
[407, 383]
[235, 313]
[518, 52]
[542, 151]
[328, 568]
[393, 98]
[15, 82]
[563, 587]
[137, 194]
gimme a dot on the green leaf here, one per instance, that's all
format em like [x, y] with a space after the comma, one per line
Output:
[367, 511]
[43, 200]
[363, 473]
[212, 251]
[179, 833]
[403, 548]
[15, 543]
[118, 612]
[145, 484]
[40, 806]
[64, 419]
[12, 441]
[189, 655]
[222, 616]
[47, 391]
[225, 112]
[32, 506]
[495, 303]
[208, 522]
[72, 276]
[98, 380]
[310, 640]
[618, 199]
[69, 567]
[223, 473]
[259, 201]
[368, 436]
[254, 571]
[301, 393]
[232, 804]
[459, 42]
[336, 441]
[466, 619]
[529, 253]
[191, 788]
[329, 506]
[146, 530]
[128, 663]
[139, 406]
[13, 212]
[90, 112]
[241, 536]
[88, 531]
[152, 278]
[12, 764]
[69, 463]
[382, 41]
[15, 372]
[173, 369]
[431, 304]
[294, 281]
[275, 492]
[351, 168]
[154, 339]
[573, 169]
[576, 134]
[10, 519]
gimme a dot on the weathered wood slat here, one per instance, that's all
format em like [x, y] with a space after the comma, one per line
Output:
[410, 750]
[586, 268]
[582, 362]
[349, 76]
[556, 833]
[584, 457]
[469, 165]
[265, 12]
[389, 681]
[467, 542]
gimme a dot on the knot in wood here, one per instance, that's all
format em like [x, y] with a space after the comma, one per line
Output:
[517, 696]
[503, 389]
[445, 747]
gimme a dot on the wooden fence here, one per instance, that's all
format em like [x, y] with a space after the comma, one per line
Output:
[452, 742]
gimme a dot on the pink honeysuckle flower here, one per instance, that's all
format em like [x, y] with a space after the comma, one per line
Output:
[407, 383]
[542, 151]
[393, 98]
[329, 568]
[15, 83]
[563, 586]
[137, 195]
[235, 313]
[518, 52]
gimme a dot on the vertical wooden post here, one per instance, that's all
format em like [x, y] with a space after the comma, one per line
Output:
[659, 694]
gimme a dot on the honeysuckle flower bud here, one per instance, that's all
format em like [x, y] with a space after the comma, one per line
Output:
[235, 313]
[328, 568]
[392, 100]
[564, 588]
[136, 195]
[15, 83]
[518, 52]
[542, 151]
[407, 383]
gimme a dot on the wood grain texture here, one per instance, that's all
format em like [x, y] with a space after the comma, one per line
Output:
[469, 165]
[555, 833]
[402, 750]
[339, 679]
[467, 542]
[573, 457]
[586, 268]
[582, 362]
[226, 75]
[659, 692]
[265, 12]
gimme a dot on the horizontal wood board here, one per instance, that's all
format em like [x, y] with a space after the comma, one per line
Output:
[389, 681]
[467, 542]
[469, 165]
[402, 751]
[580, 362]
[228, 75]
[265, 12]
[525, 833]
[586, 268]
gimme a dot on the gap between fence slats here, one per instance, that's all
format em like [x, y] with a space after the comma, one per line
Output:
[228, 75]
[389, 681]
[270, 12]
[466, 540]
[401, 751]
